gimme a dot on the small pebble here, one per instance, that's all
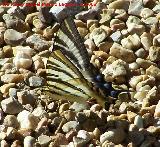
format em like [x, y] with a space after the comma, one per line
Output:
[27, 120]
[157, 110]
[36, 81]
[44, 140]
[40, 112]
[11, 121]
[78, 107]
[11, 106]
[114, 135]
[22, 60]
[138, 121]
[98, 35]
[84, 134]
[29, 141]
[70, 125]
[12, 37]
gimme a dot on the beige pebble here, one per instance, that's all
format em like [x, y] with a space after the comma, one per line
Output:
[80, 24]
[22, 60]
[131, 42]
[149, 81]
[7, 51]
[117, 24]
[119, 52]
[156, 40]
[13, 37]
[91, 22]
[5, 87]
[121, 4]
[121, 14]
[105, 46]
[146, 40]
[135, 80]
[63, 107]
[146, 12]
[30, 17]
[82, 31]
[48, 32]
[131, 115]
[150, 21]
[133, 20]
[140, 95]
[12, 78]
[90, 44]
[25, 49]
[38, 24]
[153, 71]
[152, 95]
[106, 15]
[98, 35]
[133, 66]
[144, 63]
[37, 62]
[96, 133]
[157, 110]
[136, 29]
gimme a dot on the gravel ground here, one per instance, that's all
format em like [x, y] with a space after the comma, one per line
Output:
[122, 37]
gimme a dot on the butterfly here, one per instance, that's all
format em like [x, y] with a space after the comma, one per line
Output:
[70, 74]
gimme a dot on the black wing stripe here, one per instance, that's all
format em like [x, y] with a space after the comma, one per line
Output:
[65, 84]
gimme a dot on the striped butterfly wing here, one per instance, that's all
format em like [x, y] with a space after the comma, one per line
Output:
[65, 81]
[72, 45]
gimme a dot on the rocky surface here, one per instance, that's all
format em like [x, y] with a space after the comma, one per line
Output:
[123, 41]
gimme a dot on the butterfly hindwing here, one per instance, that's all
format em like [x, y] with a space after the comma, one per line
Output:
[65, 81]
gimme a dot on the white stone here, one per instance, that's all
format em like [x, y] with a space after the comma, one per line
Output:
[27, 120]
[22, 60]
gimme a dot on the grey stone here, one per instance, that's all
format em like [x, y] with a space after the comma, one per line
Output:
[40, 112]
[11, 106]
[81, 117]
[24, 97]
[62, 12]
[70, 125]
[114, 135]
[116, 36]
[15, 23]
[138, 121]
[35, 81]
[156, 8]
[37, 42]
[136, 137]
[12, 37]
[11, 121]
[135, 7]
